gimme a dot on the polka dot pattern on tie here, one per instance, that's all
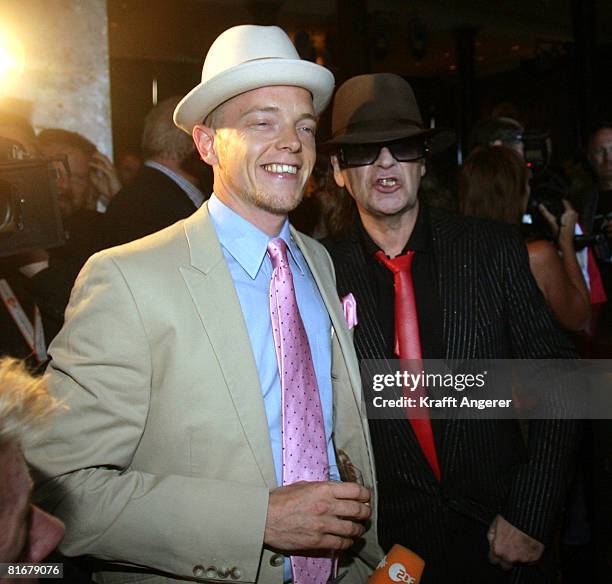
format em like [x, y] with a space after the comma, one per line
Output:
[304, 444]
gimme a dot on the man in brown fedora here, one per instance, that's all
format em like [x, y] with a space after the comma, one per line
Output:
[212, 385]
[471, 498]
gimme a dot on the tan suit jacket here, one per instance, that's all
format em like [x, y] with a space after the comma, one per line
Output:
[163, 459]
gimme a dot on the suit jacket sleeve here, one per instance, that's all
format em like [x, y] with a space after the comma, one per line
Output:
[102, 368]
[539, 488]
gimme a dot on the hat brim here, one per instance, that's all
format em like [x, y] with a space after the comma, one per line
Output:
[439, 139]
[208, 95]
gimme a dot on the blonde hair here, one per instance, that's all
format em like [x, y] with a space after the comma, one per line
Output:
[25, 401]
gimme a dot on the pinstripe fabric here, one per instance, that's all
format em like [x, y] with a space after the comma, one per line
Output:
[491, 308]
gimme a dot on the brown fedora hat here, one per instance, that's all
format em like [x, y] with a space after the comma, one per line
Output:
[380, 108]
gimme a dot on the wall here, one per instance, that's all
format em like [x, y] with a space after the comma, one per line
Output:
[65, 81]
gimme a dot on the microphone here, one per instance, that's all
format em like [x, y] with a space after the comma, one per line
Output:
[399, 565]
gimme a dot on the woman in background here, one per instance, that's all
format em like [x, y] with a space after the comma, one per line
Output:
[494, 184]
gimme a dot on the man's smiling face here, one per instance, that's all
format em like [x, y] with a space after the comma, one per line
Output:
[264, 148]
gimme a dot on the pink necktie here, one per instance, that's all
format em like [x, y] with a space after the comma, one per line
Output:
[304, 444]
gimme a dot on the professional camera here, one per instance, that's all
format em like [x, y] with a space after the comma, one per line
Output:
[536, 225]
[29, 212]
[536, 146]
[598, 239]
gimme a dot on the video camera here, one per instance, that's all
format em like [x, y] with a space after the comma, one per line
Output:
[536, 146]
[29, 213]
[547, 188]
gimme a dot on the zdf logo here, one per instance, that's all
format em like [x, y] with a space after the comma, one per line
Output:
[398, 573]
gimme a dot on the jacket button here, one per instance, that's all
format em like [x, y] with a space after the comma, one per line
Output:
[223, 573]
[211, 572]
[235, 573]
[277, 560]
[198, 571]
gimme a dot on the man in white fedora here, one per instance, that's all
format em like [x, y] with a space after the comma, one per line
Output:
[212, 385]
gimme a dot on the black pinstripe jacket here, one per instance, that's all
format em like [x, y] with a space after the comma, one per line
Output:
[491, 308]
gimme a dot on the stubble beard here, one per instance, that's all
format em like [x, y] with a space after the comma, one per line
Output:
[273, 203]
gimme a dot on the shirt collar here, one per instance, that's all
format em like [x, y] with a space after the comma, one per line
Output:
[246, 243]
[419, 241]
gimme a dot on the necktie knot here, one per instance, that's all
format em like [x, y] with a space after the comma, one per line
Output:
[397, 265]
[277, 250]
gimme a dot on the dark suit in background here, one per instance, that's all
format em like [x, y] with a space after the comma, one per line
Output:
[150, 203]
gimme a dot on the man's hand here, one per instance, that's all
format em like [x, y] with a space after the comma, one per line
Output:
[316, 515]
[104, 176]
[508, 545]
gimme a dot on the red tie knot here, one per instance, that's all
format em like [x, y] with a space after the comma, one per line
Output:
[397, 265]
[277, 249]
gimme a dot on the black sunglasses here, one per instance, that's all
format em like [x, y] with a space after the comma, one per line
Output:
[404, 150]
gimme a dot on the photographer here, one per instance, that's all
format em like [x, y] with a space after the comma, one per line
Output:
[494, 185]
[25, 328]
[37, 274]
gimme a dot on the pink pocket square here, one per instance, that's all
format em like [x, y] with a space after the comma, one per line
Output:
[349, 305]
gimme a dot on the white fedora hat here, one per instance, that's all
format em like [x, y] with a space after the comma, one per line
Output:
[248, 57]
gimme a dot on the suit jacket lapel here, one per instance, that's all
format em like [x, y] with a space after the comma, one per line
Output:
[212, 288]
[352, 273]
[331, 300]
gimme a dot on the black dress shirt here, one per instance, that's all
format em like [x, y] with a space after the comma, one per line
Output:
[425, 288]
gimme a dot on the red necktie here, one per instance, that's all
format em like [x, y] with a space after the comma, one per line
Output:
[408, 344]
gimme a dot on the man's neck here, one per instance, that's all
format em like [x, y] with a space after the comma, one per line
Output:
[270, 223]
[391, 234]
[175, 166]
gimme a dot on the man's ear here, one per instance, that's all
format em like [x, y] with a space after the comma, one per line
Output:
[423, 169]
[204, 138]
[338, 176]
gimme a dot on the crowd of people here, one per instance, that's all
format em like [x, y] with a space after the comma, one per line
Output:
[205, 416]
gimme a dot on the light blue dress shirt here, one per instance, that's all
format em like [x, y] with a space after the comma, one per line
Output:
[245, 250]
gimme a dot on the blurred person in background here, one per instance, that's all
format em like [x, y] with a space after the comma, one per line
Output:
[27, 534]
[547, 185]
[85, 185]
[165, 190]
[498, 131]
[35, 287]
[26, 327]
[92, 180]
[494, 184]
[17, 128]
[598, 206]
[128, 167]
[600, 157]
